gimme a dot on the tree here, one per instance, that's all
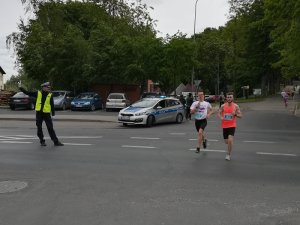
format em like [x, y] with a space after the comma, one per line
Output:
[78, 43]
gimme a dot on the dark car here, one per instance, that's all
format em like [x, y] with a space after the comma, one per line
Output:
[210, 98]
[87, 101]
[21, 100]
[62, 99]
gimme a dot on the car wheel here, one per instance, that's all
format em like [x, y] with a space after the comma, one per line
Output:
[179, 118]
[12, 108]
[93, 107]
[150, 121]
[125, 124]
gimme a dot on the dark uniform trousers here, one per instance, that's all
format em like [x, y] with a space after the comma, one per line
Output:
[40, 117]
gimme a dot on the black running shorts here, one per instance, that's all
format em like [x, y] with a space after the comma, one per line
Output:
[200, 124]
[228, 131]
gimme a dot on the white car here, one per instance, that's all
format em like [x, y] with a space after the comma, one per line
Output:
[116, 101]
[150, 111]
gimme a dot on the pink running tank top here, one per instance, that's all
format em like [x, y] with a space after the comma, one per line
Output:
[229, 119]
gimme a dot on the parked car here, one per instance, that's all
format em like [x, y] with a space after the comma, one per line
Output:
[117, 101]
[210, 98]
[21, 100]
[87, 101]
[62, 99]
[150, 111]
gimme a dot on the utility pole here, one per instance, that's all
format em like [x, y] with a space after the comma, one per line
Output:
[193, 72]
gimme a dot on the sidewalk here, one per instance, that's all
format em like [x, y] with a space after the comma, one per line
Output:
[77, 118]
[275, 103]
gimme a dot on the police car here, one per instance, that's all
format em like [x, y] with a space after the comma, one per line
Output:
[150, 111]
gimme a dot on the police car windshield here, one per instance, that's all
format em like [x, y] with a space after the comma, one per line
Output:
[145, 103]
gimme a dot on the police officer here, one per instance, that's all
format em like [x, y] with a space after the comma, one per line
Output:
[43, 107]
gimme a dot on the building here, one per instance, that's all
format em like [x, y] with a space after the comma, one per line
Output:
[1, 78]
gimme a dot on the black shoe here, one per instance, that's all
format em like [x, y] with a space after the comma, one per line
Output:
[205, 143]
[43, 143]
[197, 150]
[58, 143]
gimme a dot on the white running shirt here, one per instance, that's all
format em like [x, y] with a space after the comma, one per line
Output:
[201, 112]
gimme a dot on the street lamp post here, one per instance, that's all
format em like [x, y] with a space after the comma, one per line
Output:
[193, 72]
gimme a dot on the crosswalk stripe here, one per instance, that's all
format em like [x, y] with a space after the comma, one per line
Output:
[145, 138]
[16, 142]
[277, 154]
[207, 150]
[136, 146]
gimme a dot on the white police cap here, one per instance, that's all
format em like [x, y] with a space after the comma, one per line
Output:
[45, 84]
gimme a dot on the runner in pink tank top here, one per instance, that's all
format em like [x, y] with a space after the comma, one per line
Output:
[228, 113]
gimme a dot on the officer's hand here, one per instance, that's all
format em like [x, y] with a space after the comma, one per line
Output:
[53, 117]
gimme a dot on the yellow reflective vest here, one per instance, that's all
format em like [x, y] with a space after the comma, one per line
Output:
[38, 104]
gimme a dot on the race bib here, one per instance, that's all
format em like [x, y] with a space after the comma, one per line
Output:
[228, 116]
[198, 116]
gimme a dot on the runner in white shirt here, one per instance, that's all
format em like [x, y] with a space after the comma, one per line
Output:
[202, 111]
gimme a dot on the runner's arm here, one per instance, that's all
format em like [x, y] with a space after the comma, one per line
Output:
[210, 111]
[238, 112]
[220, 112]
[194, 106]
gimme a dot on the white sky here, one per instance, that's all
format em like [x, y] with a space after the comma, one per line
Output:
[171, 16]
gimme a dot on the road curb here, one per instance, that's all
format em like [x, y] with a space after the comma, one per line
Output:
[64, 120]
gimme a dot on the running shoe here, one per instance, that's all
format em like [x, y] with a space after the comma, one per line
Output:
[227, 157]
[205, 143]
[197, 150]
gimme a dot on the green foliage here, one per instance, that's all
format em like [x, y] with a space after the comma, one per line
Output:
[177, 62]
[77, 43]
[284, 19]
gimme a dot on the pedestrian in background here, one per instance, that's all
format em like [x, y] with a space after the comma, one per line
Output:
[202, 111]
[182, 99]
[228, 113]
[285, 98]
[189, 102]
[221, 99]
[44, 107]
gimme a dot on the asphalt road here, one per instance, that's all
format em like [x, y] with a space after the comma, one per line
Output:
[114, 175]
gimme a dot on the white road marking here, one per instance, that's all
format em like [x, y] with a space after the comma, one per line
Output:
[77, 144]
[82, 137]
[25, 136]
[209, 140]
[135, 146]
[145, 138]
[177, 133]
[207, 150]
[277, 154]
[16, 142]
[261, 142]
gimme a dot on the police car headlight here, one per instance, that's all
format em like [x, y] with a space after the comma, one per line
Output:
[87, 103]
[140, 114]
[72, 103]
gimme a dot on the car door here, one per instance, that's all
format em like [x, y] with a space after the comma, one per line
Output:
[160, 114]
[173, 108]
